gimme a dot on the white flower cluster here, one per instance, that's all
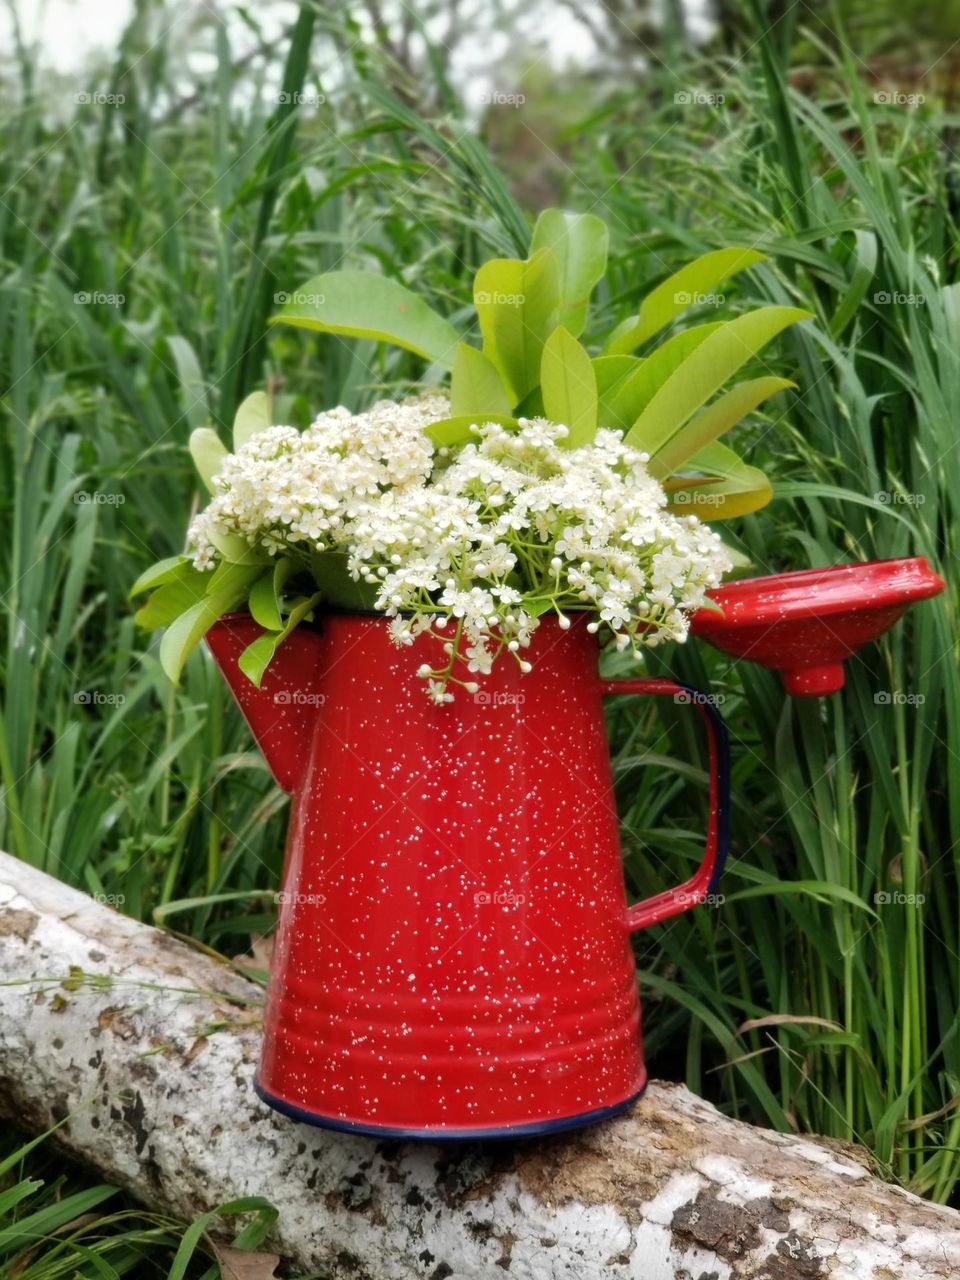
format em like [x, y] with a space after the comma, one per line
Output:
[472, 545]
[286, 487]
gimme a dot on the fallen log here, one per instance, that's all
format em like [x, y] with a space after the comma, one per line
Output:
[149, 1047]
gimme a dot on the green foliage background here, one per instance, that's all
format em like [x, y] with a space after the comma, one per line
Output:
[181, 221]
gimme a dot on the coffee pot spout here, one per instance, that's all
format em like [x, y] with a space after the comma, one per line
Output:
[282, 712]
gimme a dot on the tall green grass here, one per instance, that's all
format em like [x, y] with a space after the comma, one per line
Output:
[824, 993]
[54, 1226]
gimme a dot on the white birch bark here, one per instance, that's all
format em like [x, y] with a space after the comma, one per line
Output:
[150, 1047]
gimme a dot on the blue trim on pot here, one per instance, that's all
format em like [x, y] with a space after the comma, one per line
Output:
[538, 1129]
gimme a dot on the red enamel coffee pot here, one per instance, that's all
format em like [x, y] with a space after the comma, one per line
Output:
[453, 950]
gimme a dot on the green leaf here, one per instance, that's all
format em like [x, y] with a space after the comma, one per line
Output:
[612, 371]
[580, 243]
[172, 599]
[475, 386]
[44, 1223]
[235, 549]
[678, 292]
[569, 387]
[537, 606]
[629, 395]
[208, 452]
[517, 304]
[252, 417]
[366, 305]
[724, 413]
[822, 890]
[864, 259]
[454, 432]
[185, 633]
[196, 409]
[257, 656]
[230, 577]
[730, 487]
[168, 570]
[265, 594]
[705, 371]
[330, 573]
[266, 1216]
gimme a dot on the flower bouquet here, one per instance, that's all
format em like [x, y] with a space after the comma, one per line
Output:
[545, 480]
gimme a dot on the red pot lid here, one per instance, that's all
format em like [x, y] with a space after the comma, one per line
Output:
[805, 624]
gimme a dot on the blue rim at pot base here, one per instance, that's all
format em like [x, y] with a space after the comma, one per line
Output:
[537, 1129]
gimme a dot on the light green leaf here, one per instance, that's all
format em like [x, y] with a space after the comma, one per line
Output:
[569, 387]
[196, 410]
[685, 288]
[185, 633]
[265, 594]
[724, 413]
[612, 371]
[163, 571]
[517, 304]
[232, 577]
[727, 488]
[475, 386]
[626, 399]
[537, 606]
[208, 452]
[252, 417]
[705, 371]
[257, 656]
[172, 599]
[580, 243]
[235, 549]
[366, 305]
[454, 432]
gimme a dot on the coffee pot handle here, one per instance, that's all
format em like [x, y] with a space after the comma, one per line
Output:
[693, 891]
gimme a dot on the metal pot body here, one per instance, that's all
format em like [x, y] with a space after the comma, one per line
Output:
[453, 952]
